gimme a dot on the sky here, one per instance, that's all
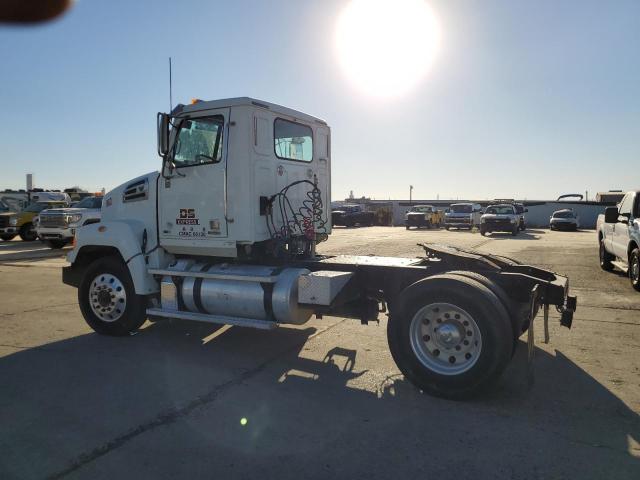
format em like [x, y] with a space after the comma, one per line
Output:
[523, 99]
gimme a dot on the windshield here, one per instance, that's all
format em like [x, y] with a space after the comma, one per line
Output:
[461, 208]
[90, 202]
[421, 209]
[500, 210]
[563, 215]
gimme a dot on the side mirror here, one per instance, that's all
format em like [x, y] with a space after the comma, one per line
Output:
[163, 134]
[623, 219]
[611, 215]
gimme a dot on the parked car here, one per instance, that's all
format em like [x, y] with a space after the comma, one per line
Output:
[619, 237]
[423, 216]
[57, 226]
[565, 219]
[463, 215]
[500, 218]
[352, 215]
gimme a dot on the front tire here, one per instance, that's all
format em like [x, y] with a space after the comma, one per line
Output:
[634, 268]
[605, 258]
[450, 336]
[108, 300]
[57, 244]
[28, 233]
[515, 231]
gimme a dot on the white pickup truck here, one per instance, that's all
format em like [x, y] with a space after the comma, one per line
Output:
[619, 237]
[57, 226]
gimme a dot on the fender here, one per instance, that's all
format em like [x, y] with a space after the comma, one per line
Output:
[126, 237]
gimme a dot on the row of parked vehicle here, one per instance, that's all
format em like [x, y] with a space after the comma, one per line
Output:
[53, 222]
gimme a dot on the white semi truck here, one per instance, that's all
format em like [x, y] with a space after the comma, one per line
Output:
[226, 233]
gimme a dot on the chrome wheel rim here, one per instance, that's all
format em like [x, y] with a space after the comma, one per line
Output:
[445, 338]
[107, 297]
[635, 269]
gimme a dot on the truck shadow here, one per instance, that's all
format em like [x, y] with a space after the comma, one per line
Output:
[68, 403]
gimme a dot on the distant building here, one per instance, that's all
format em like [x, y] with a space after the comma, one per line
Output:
[612, 196]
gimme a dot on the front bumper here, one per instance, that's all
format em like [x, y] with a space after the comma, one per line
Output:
[56, 233]
[457, 222]
[498, 226]
[416, 220]
[564, 225]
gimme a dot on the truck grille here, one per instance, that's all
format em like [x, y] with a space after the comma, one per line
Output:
[52, 221]
[4, 221]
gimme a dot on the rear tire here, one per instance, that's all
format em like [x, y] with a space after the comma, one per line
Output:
[434, 364]
[7, 238]
[108, 300]
[28, 233]
[634, 268]
[605, 258]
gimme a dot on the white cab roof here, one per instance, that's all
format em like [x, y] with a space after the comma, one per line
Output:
[246, 101]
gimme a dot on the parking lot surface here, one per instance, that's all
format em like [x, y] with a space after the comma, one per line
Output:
[323, 400]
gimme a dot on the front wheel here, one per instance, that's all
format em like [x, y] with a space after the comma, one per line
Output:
[56, 244]
[515, 231]
[108, 300]
[634, 268]
[605, 258]
[450, 336]
[28, 233]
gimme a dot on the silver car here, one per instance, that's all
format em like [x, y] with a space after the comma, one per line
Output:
[565, 219]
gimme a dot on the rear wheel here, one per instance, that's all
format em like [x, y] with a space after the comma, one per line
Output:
[28, 233]
[108, 300]
[450, 336]
[7, 238]
[605, 258]
[634, 268]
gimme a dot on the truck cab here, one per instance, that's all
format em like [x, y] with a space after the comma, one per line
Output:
[12, 224]
[352, 215]
[500, 218]
[463, 215]
[619, 237]
[423, 216]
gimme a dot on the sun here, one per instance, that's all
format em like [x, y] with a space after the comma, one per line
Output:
[386, 47]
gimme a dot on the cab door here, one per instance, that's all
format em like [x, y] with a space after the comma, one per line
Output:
[620, 240]
[192, 194]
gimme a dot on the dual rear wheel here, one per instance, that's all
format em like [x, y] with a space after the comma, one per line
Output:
[451, 335]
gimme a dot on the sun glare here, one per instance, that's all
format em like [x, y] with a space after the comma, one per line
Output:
[385, 47]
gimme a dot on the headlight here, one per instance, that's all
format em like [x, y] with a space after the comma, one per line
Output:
[13, 221]
[75, 218]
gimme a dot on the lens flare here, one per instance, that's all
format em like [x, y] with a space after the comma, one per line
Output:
[386, 47]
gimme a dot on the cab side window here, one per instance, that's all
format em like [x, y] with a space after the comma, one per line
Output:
[626, 205]
[199, 141]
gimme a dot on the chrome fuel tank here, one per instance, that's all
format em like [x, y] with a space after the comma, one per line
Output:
[247, 291]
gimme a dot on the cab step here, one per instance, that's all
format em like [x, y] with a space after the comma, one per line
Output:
[620, 266]
[218, 319]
